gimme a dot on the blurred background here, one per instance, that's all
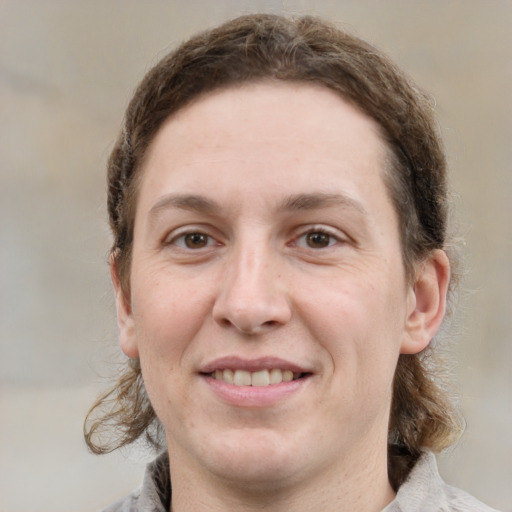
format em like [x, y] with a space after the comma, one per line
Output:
[67, 70]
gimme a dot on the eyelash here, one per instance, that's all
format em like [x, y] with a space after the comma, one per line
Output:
[180, 240]
[333, 239]
[210, 241]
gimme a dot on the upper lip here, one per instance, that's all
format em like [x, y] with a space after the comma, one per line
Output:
[252, 365]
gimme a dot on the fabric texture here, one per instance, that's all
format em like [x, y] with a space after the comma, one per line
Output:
[423, 491]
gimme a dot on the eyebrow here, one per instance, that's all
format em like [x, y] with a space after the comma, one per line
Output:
[295, 202]
[319, 200]
[191, 202]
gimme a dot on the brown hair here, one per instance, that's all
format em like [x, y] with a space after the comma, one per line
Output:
[306, 49]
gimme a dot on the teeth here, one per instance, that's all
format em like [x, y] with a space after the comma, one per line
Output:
[287, 376]
[259, 378]
[228, 376]
[276, 376]
[242, 378]
[225, 375]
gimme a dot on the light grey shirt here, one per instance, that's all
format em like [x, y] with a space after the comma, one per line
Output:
[423, 491]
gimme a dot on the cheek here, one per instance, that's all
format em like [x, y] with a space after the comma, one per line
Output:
[357, 320]
[167, 319]
[167, 314]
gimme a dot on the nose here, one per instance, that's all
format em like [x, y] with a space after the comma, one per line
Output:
[252, 297]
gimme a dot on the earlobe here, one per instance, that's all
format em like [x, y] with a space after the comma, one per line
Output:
[427, 303]
[125, 324]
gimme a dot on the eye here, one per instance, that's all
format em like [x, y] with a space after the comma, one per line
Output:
[194, 240]
[317, 239]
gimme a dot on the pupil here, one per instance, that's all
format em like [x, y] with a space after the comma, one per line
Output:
[318, 240]
[195, 240]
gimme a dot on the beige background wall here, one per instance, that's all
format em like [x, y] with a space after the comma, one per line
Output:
[67, 69]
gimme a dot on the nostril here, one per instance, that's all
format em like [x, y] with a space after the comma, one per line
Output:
[224, 322]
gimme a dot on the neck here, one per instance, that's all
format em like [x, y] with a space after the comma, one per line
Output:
[359, 483]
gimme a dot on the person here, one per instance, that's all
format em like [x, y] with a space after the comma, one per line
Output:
[282, 264]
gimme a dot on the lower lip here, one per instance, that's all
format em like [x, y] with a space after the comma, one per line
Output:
[255, 396]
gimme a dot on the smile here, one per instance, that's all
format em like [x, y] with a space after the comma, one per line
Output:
[258, 378]
[255, 383]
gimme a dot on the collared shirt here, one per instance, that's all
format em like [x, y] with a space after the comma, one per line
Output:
[423, 491]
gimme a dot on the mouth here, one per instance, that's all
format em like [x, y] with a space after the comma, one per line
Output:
[259, 378]
[255, 383]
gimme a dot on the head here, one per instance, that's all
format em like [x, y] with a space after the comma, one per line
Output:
[270, 49]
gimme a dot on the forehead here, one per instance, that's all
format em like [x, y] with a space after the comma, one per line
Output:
[297, 106]
[268, 138]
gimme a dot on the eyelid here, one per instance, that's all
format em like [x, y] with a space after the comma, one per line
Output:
[209, 243]
[338, 235]
[176, 234]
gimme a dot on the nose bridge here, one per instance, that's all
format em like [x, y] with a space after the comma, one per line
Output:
[252, 295]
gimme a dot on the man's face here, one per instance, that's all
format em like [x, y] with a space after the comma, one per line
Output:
[266, 248]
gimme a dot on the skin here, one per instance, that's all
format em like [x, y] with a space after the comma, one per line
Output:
[265, 235]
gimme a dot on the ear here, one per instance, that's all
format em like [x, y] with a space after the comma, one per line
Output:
[125, 322]
[427, 302]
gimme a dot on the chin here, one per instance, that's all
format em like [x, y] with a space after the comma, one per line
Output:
[258, 459]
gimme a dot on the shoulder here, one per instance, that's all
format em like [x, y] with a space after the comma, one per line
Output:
[155, 493]
[129, 503]
[425, 491]
[461, 501]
